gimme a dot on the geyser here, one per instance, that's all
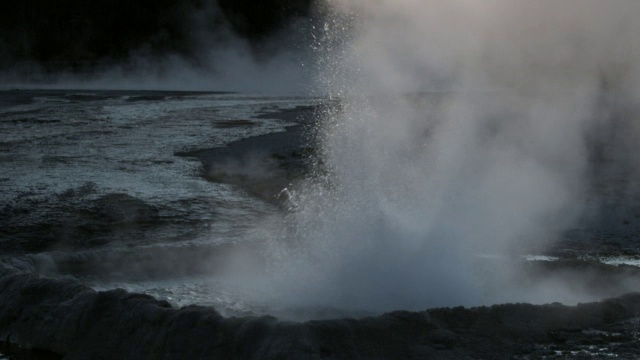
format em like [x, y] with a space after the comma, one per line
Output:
[461, 141]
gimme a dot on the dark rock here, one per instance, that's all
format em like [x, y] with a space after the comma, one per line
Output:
[75, 322]
[442, 338]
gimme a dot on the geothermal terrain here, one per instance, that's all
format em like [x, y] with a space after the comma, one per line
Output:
[336, 179]
[122, 211]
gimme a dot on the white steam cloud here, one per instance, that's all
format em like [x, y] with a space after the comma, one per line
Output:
[462, 133]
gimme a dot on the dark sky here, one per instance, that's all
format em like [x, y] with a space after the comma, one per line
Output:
[85, 34]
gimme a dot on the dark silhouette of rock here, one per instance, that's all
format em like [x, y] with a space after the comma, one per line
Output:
[64, 318]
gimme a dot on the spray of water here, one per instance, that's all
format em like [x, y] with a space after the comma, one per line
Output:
[462, 133]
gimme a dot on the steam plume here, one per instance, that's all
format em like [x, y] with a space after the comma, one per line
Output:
[462, 132]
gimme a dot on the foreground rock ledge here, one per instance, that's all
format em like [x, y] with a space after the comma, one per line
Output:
[71, 321]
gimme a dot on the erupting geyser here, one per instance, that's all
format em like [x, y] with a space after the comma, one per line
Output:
[459, 141]
[460, 152]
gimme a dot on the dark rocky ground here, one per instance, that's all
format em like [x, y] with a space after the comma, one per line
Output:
[58, 319]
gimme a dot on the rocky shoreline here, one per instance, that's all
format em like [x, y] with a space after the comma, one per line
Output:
[56, 319]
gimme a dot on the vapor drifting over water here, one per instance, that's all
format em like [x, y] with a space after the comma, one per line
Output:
[210, 55]
[464, 133]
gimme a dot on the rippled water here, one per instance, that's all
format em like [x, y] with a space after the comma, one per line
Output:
[64, 149]
[65, 156]
[124, 143]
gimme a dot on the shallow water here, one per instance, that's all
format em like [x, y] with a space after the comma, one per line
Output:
[70, 159]
[110, 143]
[64, 151]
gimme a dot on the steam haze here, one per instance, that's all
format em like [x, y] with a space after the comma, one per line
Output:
[182, 45]
[464, 134]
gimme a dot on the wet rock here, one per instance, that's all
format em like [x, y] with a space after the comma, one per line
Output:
[75, 322]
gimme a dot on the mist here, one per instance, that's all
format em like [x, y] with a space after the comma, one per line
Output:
[211, 56]
[462, 140]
